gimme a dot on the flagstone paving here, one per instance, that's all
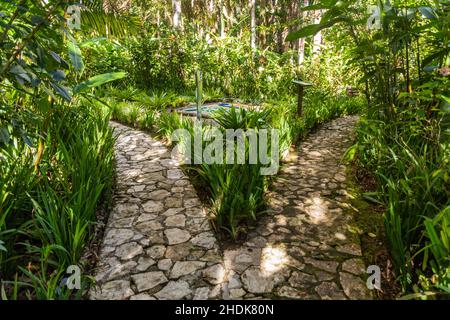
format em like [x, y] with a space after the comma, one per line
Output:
[159, 244]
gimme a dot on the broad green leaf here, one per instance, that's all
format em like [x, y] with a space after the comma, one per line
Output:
[62, 91]
[26, 138]
[17, 69]
[428, 13]
[4, 135]
[75, 56]
[314, 28]
[55, 56]
[2, 247]
[98, 80]
[58, 75]
[447, 99]
[303, 32]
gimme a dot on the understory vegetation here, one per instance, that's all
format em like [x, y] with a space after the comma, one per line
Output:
[135, 63]
[403, 139]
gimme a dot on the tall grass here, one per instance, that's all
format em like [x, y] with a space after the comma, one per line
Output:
[47, 223]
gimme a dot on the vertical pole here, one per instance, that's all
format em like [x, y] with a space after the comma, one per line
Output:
[300, 101]
[176, 14]
[222, 21]
[252, 5]
[198, 92]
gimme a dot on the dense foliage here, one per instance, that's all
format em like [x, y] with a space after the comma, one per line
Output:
[404, 138]
[55, 151]
[56, 147]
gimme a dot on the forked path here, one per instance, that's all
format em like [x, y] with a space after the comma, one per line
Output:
[159, 245]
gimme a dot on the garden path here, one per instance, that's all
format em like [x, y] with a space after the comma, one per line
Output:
[159, 244]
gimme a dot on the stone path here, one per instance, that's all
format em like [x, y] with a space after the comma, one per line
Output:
[159, 244]
[305, 248]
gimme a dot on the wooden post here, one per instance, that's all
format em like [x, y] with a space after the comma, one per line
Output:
[300, 100]
[300, 93]
[199, 92]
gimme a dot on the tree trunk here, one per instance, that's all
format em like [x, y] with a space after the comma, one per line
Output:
[252, 5]
[301, 42]
[221, 19]
[317, 40]
[176, 14]
[301, 51]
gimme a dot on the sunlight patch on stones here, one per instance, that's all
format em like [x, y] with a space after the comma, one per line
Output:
[273, 259]
[317, 212]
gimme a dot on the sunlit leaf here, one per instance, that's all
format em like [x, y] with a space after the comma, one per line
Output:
[98, 80]
[303, 32]
[75, 56]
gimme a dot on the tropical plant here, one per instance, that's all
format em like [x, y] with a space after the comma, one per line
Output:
[404, 139]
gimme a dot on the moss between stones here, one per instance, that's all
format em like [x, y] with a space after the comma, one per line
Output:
[370, 223]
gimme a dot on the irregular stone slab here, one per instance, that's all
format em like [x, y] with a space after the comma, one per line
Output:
[178, 251]
[152, 206]
[148, 280]
[301, 279]
[195, 212]
[125, 210]
[156, 251]
[354, 287]
[240, 259]
[355, 266]
[205, 240]
[211, 256]
[123, 223]
[174, 174]
[128, 251]
[330, 266]
[233, 281]
[174, 290]
[178, 220]
[329, 291]
[172, 211]
[182, 268]
[146, 217]
[256, 282]
[158, 194]
[201, 293]
[237, 293]
[149, 226]
[165, 264]
[113, 290]
[173, 202]
[176, 236]
[291, 293]
[144, 263]
[115, 237]
[142, 296]
[350, 248]
[214, 274]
